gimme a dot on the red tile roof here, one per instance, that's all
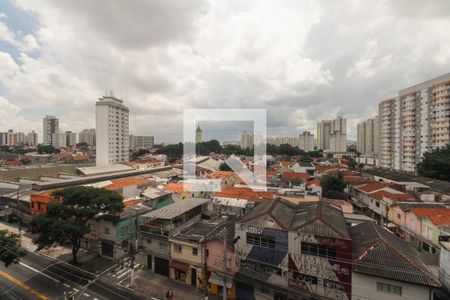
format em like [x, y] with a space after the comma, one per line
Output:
[395, 197]
[371, 187]
[178, 187]
[124, 182]
[289, 176]
[314, 181]
[245, 193]
[437, 216]
[221, 174]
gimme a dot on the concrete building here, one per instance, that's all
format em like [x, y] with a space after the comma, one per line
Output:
[59, 139]
[19, 138]
[368, 137]
[10, 138]
[306, 141]
[112, 131]
[87, 136]
[414, 122]
[338, 135]
[246, 140]
[324, 135]
[141, 141]
[31, 139]
[3, 138]
[71, 138]
[51, 126]
[198, 135]
[386, 267]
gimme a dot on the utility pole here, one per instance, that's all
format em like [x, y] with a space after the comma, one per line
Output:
[19, 215]
[225, 264]
[206, 274]
[134, 247]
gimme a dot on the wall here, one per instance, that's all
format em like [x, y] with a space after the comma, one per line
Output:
[364, 287]
[215, 256]
[36, 173]
[186, 252]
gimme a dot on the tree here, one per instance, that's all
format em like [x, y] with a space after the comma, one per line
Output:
[9, 248]
[82, 145]
[66, 218]
[48, 149]
[333, 186]
[436, 164]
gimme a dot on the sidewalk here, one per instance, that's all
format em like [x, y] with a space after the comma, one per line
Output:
[156, 286]
[57, 252]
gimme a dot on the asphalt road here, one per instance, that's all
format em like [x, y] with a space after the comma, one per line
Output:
[38, 277]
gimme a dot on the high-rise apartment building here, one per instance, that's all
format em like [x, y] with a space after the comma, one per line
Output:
[246, 140]
[306, 141]
[19, 138]
[324, 135]
[112, 132]
[10, 138]
[3, 138]
[59, 139]
[87, 136]
[71, 138]
[51, 126]
[338, 136]
[31, 139]
[141, 141]
[368, 137]
[414, 122]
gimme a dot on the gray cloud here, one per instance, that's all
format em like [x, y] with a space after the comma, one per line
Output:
[302, 60]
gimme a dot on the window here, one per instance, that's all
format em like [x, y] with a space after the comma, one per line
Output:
[399, 216]
[261, 240]
[91, 227]
[207, 252]
[389, 288]
[318, 250]
[162, 245]
[377, 204]
[177, 248]
[194, 251]
[106, 230]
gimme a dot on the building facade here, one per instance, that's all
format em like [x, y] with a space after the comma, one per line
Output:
[59, 139]
[414, 122]
[87, 136]
[368, 137]
[338, 136]
[324, 135]
[112, 128]
[71, 138]
[31, 139]
[51, 126]
[141, 141]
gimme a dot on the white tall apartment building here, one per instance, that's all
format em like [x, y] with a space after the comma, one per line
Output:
[10, 138]
[59, 139]
[332, 135]
[368, 137]
[306, 141]
[414, 122]
[324, 135]
[141, 141]
[87, 136]
[31, 139]
[71, 138]
[112, 132]
[51, 125]
[246, 140]
[19, 138]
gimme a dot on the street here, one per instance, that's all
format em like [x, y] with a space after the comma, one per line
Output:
[38, 277]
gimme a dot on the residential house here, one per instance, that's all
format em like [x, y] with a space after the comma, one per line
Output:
[113, 236]
[187, 262]
[444, 264]
[182, 190]
[128, 187]
[386, 267]
[293, 251]
[220, 259]
[159, 225]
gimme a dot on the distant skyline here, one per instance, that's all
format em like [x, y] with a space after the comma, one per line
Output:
[304, 61]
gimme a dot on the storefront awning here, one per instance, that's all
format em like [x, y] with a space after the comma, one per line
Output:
[180, 266]
[218, 278]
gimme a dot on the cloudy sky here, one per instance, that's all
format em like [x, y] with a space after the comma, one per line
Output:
[302, 60]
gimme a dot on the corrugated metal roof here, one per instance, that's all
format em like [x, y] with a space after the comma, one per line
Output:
[175, 209]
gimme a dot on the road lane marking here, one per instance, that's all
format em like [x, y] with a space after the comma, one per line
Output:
[23, 285]
[66, 285]
[37, 271]
[87, 295]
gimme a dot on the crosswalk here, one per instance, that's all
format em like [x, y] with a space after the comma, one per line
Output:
[122, 274]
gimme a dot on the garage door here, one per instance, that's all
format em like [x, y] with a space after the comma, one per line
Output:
[162, 266]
